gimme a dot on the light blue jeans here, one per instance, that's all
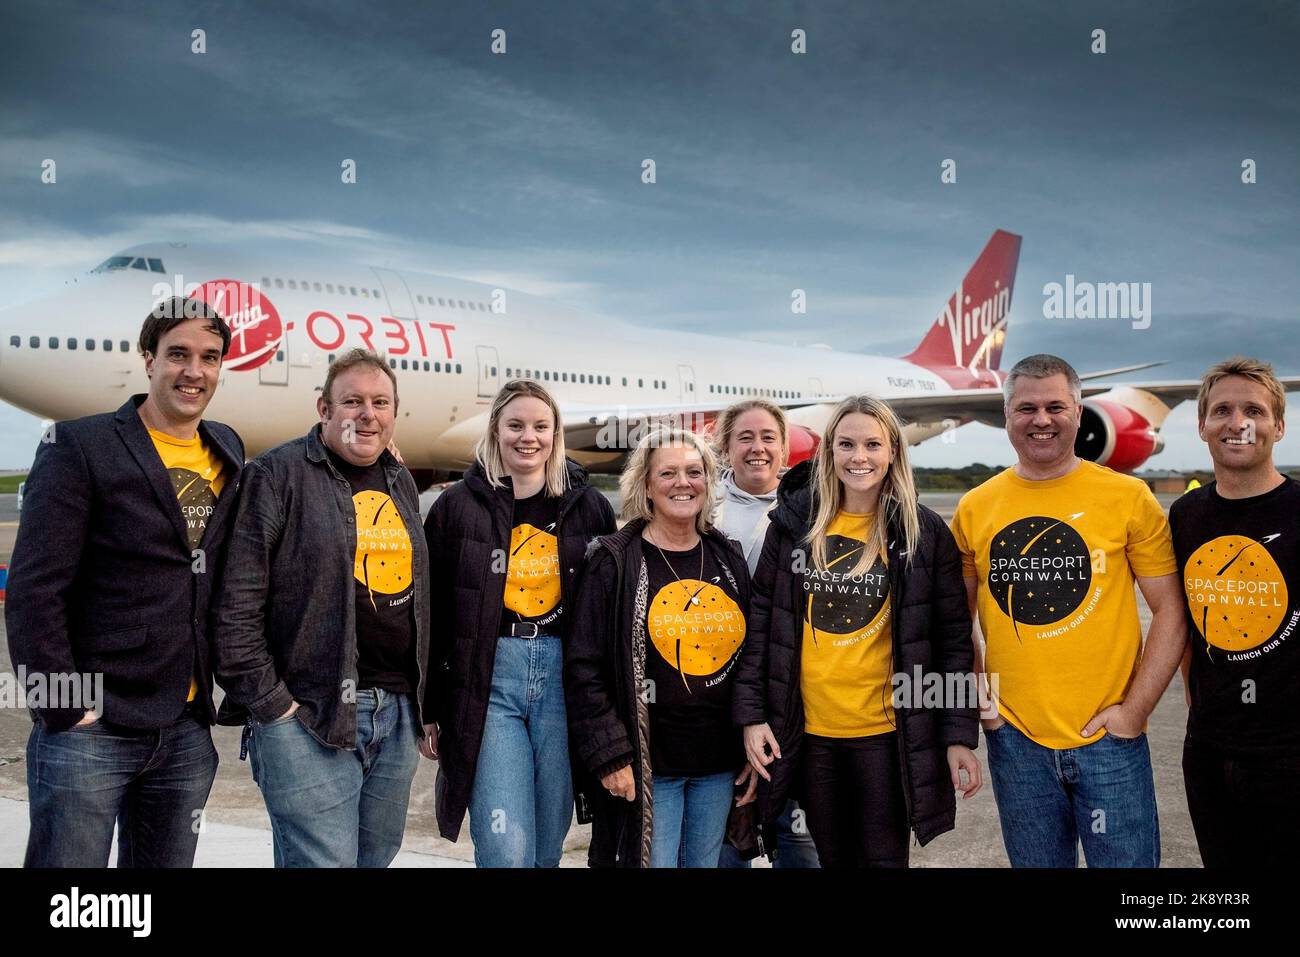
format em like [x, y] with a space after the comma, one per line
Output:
[521, 804]
[690, 819]
[335, 808]
[1101, 794]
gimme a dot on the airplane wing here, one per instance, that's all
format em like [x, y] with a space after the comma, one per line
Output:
[1122, 370]
[592, 428]
[985, 405]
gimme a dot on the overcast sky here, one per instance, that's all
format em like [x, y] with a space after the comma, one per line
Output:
[775, 171]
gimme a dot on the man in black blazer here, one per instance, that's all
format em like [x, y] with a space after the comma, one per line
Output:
[122, 535]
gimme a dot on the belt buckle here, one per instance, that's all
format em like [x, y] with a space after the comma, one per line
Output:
[524, 624]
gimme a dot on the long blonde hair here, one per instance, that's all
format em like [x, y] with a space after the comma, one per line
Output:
[488, 450]
[636, 474]
[898, 503]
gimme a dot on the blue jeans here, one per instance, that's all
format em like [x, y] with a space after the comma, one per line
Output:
[521, 804]
[151, 784]
[335, 808]
[1102, 794]
[690, 819]
[794, 848]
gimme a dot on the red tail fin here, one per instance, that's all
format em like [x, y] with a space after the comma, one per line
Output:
[972, 327]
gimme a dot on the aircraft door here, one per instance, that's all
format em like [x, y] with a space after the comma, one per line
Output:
[275, 371]
[489, 371]
[815, 387]
[397, 293]
[686, 383]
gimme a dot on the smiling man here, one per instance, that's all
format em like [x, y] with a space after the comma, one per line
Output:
[1051, 548]
[123, 528]
[323, 635]
[1238, 545]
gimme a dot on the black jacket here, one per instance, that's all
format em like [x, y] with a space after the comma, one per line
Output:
[287, 617]
[103, 579]
[468, 533]
[931, 629]
[604, 666]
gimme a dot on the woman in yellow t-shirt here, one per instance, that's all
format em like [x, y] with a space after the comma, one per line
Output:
[855, 685]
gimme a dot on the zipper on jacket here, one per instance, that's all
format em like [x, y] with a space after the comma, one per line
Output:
[896, 655]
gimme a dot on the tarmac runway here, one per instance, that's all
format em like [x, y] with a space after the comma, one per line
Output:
[238, 834]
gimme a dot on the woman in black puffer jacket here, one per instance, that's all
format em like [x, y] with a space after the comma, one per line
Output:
[505, 546]
[859, 607]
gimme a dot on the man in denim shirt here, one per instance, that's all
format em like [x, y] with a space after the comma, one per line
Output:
[322, 633]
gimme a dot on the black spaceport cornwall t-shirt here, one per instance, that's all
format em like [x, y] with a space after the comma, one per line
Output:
[1240, 564]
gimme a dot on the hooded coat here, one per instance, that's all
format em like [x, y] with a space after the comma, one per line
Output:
[931, 631]
[467, 529]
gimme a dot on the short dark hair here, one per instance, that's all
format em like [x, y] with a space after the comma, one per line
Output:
[351, 360]
[170, 313]
[1041, 366]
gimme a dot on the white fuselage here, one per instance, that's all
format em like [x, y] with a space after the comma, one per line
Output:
[452, 351]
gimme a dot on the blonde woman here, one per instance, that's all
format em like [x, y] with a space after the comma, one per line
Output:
[659, 622]
[505, 544]
[858, 584]
[752, 440]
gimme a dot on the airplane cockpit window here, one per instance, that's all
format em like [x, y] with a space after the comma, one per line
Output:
[155, 265]
[139, 263]
[113, 262]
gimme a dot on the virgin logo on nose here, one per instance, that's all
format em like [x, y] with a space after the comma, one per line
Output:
[256, 331]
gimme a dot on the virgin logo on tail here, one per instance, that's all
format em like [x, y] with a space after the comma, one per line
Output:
[971, 330]
[974, 326]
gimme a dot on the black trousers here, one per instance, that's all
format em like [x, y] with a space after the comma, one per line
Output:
[1244, 810]
[853, 799]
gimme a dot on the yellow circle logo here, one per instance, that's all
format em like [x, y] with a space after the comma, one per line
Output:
[695, 627]
[1235, 591]
[383, 559]
[533, 576]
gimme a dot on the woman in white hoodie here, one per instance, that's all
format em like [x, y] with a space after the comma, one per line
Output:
[752, 437]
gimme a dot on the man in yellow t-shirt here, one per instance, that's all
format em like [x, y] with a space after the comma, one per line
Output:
[1051, 549]
[124, 528]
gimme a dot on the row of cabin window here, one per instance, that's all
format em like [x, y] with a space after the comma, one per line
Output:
[543, 375]
[371, 293]
[124, 346]
[415, 365]
[769, 393]
[34, 342]
[306, 286]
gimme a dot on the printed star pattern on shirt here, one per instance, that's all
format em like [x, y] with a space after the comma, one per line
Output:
[197, 479]
[1240, 561]
[1054, 562]
[847, 653]
[532, 591]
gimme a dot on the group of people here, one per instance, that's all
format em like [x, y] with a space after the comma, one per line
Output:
[759, 660]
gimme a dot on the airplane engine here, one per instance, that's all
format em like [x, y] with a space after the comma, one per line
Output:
[803, 444]
[1115, 434]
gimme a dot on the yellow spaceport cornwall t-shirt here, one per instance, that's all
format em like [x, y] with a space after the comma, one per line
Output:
[197, 479]
[847, 654]
[1055, 563]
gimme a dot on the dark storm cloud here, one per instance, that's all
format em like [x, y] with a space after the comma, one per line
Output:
[775, 171]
